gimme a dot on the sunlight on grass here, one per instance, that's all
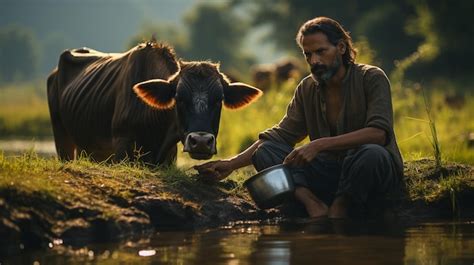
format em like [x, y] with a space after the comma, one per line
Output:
[24, 111]
[414, 133]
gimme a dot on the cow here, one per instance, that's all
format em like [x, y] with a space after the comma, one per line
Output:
[266, 76]
[286, 69]
[139, 104]
[262, 76]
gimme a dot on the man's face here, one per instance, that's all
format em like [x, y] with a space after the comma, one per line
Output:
[323, 57]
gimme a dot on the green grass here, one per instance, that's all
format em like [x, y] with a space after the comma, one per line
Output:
[81, 183]
[86, 182]
[414, 128]
[89, 183]
[24, 111]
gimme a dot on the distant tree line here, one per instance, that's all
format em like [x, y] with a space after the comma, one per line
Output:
[212, 31]
[424, 39]
[18, 54]
[439, 32]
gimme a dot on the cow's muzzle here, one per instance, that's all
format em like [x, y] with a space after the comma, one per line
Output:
[200, 145]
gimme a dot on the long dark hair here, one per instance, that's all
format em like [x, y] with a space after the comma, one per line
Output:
[333, 30]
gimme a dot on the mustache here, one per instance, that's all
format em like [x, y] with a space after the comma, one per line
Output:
[318, 67]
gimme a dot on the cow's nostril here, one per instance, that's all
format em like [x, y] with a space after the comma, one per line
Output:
[192, 141]
[200, 143]
[210, 141]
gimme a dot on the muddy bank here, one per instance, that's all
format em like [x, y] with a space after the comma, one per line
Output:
[45, 202]
[446, 192]
[78, 203]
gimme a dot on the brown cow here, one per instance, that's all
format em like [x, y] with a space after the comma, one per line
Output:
[262, 76]
[265, 76]
[114, 105]
[286, 69]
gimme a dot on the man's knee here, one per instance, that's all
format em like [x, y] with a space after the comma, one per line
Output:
[372, 155]
[368, 171]
[367, 163]
[268, 154]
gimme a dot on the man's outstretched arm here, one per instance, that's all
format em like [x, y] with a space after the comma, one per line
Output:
[220, 169]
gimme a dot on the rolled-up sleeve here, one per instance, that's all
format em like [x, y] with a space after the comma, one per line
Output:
[292, 128]
[379, 102]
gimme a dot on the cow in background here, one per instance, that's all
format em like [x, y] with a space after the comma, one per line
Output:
[265, 76]
[262, 76]
[143, 100]
[287, 69]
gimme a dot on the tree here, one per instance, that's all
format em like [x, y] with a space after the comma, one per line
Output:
[381, 23]
[447, 26]
[166, 33]
[430, 38]
[216, 33]
[18, 53]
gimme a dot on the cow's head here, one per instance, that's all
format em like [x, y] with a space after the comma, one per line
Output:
[197, 91]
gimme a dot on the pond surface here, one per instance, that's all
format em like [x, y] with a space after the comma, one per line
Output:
[317, 242]
[16, 147]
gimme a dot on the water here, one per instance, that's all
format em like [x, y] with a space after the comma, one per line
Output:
[17, 147]
[319, 242]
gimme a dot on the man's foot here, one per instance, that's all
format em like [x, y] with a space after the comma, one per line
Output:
[314, 207]
[338, 208]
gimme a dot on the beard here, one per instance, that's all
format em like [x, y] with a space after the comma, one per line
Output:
[323, 73]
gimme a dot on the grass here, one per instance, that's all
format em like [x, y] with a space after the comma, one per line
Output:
[91, 184]
[30, 173]
[68, 183]
[428, 182]
[24, 111]
[416, 134]
[434, 134]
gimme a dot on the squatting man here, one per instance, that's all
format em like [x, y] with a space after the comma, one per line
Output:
[345, 108]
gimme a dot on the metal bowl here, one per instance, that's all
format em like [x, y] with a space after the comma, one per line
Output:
[270, 187]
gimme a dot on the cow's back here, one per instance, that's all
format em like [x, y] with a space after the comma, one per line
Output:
[90, 90]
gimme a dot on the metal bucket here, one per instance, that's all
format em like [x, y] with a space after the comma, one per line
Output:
[271, 187]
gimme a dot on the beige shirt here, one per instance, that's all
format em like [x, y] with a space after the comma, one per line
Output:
[367, 102]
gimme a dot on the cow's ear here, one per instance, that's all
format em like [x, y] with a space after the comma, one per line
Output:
[237, 95]
[157, 93]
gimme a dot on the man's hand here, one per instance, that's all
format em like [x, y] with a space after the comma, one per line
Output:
[303, 154]
[215, 170]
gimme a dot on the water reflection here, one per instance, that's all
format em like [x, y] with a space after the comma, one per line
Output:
[315, 242]
[440, 243]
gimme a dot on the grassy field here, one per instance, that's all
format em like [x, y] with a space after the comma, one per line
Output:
[24, 111]
[24, 114]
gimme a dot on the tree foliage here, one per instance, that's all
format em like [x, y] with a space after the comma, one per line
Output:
[448, 28]
[18, 53]
[430, 37]
[381, 23]
[167, 33]
[216, 33]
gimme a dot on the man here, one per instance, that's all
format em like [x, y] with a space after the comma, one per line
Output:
[345, 108]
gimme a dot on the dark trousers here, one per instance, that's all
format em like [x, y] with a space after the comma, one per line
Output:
[366, 176]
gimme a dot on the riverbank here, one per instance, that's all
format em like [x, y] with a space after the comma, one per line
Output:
[44, 201]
